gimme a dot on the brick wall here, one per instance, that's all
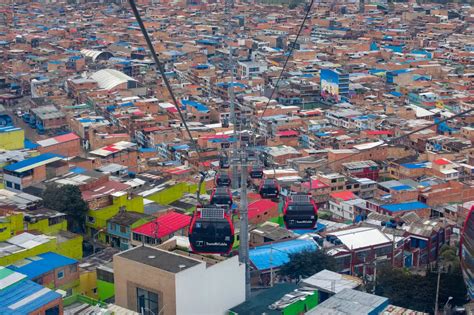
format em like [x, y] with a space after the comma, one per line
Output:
[69, 148]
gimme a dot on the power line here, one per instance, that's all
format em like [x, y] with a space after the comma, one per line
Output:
[400, 137]
[163, 75]
[288, 57]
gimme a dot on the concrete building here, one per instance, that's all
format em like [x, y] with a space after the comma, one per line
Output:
[151, 280]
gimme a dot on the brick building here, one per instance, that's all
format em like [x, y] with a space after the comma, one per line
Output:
[67, 145]
[123, 153]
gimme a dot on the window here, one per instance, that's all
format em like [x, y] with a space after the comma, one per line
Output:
[90, 219]
[147, 302]
[94, 290]
[61, 274]
[137, 237]
[123, 229]
[9, 184]
[112, 226]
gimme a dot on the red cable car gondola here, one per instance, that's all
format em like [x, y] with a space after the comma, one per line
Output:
[300, 212]
[269, 189]
[211, 231]
[221, 196]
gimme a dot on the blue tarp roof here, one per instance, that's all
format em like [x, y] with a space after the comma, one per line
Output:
[319, 227]
[29, 144]
[198, 106]
[146, 150]
[36, 266]
[395, 93]
[21, 291]
[78, 170]
[405, 206]
[401, 187]
[260, 256]
[234, 84]
[37, 159]
[414, 165]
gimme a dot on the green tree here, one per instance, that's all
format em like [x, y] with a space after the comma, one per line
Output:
[418, 292]
[67, 199]
[307, 263]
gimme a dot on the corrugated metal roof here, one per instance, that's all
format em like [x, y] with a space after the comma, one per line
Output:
[33, 267]
[33, 162]
[348, 302]
[275, 255]
[59, 139]
[332, 282]
[109, 78]
[167, 224]
[25, 297]
[361, 237]
[405, 206]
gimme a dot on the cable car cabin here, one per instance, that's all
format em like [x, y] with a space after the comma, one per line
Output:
[300, 212]
[211, 231]
[256, 172]
[222, 180]
[224, 161]
[269, 189]
[221, 196]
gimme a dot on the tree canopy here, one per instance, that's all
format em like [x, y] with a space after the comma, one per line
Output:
[307, 263]
[67, 199]
[418, 292]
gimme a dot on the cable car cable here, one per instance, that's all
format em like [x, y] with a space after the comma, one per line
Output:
[290, 53]
[163, 75]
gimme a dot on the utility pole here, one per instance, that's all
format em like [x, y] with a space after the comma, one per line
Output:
[244, 225]
[235, 175]
[437, 290]
[244, 220]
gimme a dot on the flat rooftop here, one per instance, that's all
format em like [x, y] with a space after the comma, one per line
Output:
[159, 258]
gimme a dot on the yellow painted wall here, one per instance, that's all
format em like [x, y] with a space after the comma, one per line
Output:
[88, 282]
[11, 225]
[71, 248]
[12, 140]
[174, 193]
[40, 249]
[44, 227]
[102, 215]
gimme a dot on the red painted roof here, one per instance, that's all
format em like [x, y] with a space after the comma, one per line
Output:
[172, 109]
[110, 148]
[167, 224]
[441, 162]
[67, 137]
[344, 195]
[379, 132]
[288, 133]
[260, 206]
[315, 184]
